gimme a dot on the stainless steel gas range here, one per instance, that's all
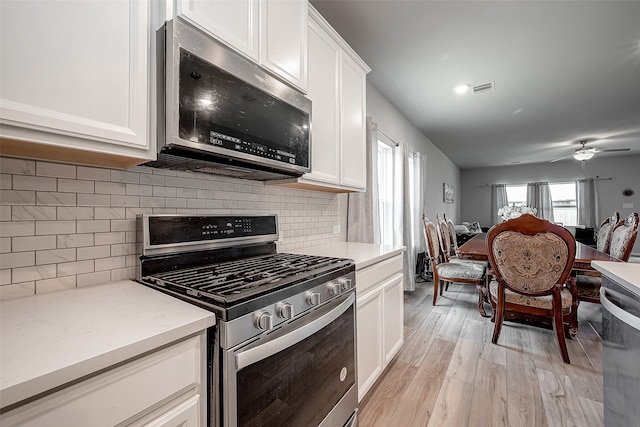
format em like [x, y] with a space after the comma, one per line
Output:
[283, 352]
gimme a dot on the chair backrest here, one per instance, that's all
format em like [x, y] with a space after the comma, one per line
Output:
[623, 237]
[444, 237]
[531, 255]
[431, 237]
[452, 235]
[605, 232]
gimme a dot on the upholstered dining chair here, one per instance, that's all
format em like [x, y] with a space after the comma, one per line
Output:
[532, 260]
[605, 232]
[623, 237]
[451, 272]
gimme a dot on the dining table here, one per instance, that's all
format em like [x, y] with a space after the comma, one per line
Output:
[476, 249]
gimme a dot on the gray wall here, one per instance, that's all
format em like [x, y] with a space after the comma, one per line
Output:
[439, 168]
[624, 171]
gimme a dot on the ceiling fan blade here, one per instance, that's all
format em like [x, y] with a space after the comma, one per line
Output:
[611, 150]
[561, 158]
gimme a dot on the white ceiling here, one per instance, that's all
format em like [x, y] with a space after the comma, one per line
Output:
[563, 70]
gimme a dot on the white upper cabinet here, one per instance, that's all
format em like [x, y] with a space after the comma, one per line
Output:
[75, 80]
[272, 33]
[337, 90]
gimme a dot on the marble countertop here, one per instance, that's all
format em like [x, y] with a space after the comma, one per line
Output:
[627, 274]
[51, 339]
[364, 254]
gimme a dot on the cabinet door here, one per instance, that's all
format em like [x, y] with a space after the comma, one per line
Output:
[76, 74]
[184, 415]
[283, 40]
[369, 336]
[353, 121]
[324, 57]
[393, 317]
[234, 22]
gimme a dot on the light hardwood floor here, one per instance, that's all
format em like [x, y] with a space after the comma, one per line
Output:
[449, 374]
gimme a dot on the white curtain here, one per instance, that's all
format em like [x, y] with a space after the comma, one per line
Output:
[363, 219]
[498, 200]
[587, 202]
[539, 197]
[415, 178]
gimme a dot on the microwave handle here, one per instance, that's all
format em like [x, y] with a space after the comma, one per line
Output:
[255, 354]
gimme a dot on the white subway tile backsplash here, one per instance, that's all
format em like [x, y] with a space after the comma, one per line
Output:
[56, 170]
[126, 201]
[57, 284]
[26, 182]
[67, 213]
[33, 273]
[90, 279]
[94, 252]
[75, 240]
[17, 166]
[5, 245]
[111, 188]
[55, 256]
[55, 227]
[17, 228]
[75, 186]
[26, 213]
[93, 173]
[110, 213]
[17, 259]
[76, 267]
[110, 263]
[56, 199]
[94, 226]
[33, 243]
[94, 200]
[91, 215]
[17, 197]
[17, 290]
[110, 238]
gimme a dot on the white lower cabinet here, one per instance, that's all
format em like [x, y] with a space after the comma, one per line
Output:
[165, 388]
[380, 319]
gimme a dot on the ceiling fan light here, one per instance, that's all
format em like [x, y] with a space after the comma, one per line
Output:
[583, 155]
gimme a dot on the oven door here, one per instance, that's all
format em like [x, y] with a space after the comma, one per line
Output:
[302, 374]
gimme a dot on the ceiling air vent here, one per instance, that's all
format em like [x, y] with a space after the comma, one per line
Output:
[486, 87]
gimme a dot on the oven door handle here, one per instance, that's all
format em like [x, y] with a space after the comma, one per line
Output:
[255, 354]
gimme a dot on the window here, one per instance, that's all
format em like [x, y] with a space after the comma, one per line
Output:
[565, 208]
[385, 192]
[517, 195]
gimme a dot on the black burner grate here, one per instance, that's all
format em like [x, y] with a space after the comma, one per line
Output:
[236, 280]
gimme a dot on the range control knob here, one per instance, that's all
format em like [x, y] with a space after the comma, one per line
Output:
[284, 310]
[335, 288]
[264, 320]
[346, 283]
[312, 297]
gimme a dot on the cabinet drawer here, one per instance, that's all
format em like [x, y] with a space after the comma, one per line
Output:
[116, 395]
[372, 275]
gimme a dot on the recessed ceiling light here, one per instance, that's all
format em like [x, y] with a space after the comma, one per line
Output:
[462, 88]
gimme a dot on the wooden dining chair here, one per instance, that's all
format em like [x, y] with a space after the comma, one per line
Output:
[621, 241]
[444, 272]
[532, 260]
[603, 238]
[446, 225]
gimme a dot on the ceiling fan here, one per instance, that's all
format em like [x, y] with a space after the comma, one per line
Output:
[583, 153]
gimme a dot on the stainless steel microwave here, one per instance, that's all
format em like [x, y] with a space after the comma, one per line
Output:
[220, 113]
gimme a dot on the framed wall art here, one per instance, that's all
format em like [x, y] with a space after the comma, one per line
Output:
[448, 193]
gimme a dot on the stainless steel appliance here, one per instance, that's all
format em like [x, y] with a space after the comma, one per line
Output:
[220, 113]
[283, 352]
[620, 354]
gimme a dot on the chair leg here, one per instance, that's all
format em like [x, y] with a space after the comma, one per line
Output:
[436, 282]
[559, 327]
[481, 301]
[499, 315]
[442, 285]
[446, 288]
